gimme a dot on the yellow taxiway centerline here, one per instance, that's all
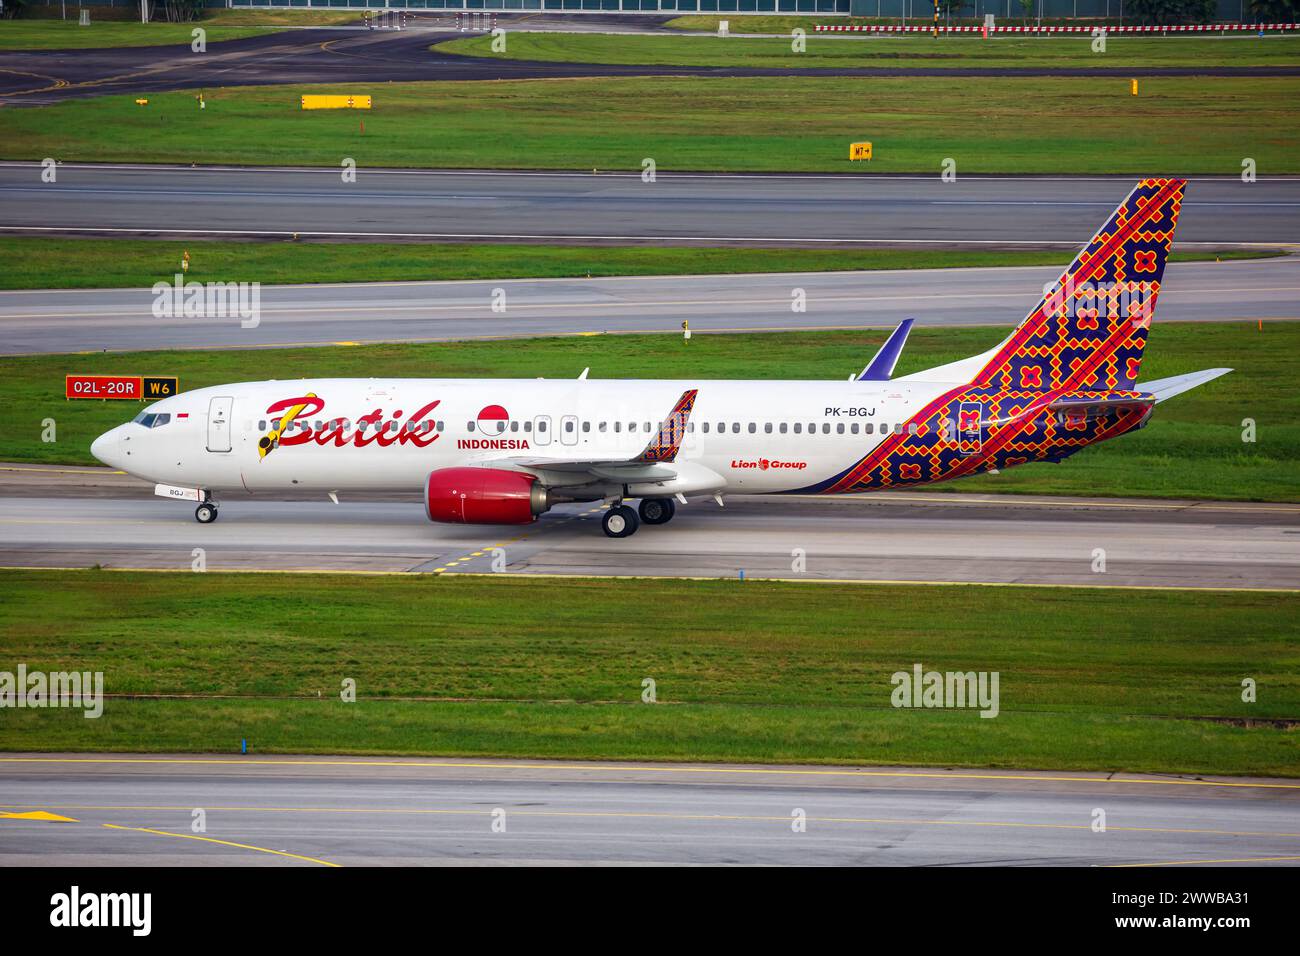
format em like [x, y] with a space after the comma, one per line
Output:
[241, 846]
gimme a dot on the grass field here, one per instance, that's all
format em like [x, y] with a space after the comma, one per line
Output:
[282, 18]
[827, 52]
[1087, 679]
[39, 263]
[784, 23]
[68, 35]
[1192, 448]
[1187, 124]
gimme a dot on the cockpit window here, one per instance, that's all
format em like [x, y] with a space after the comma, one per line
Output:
[152, 419]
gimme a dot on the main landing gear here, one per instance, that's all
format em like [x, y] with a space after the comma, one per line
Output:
[657, 510]
[206, 513]
[621, 521]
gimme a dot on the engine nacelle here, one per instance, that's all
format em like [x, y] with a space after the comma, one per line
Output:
[483, 496]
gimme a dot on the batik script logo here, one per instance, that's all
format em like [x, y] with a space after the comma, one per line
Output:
[295, 428]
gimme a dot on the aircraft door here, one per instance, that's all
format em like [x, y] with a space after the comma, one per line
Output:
[542, 430]
[970, 428]
[219, 410]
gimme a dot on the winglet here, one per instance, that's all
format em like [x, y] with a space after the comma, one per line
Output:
[882, 366]
[664, 446]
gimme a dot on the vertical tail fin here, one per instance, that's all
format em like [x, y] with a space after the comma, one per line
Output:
[1090, 328]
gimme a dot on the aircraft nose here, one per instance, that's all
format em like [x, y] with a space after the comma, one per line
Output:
[105, 447]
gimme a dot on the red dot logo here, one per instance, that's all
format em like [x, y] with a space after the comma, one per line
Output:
[492, 420]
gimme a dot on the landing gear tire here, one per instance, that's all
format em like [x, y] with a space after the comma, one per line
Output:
[620, 522]
[205, 513]
[657, 510]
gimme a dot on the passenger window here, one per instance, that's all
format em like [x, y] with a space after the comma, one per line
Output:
[826, 428]
[618, 426]
[568, 427]
[735, 428]
[586, 426]
[798, 428]
[854, 428]
[602, 425]
[690, 428]
[648, 428]
[541, 426]
[261, 426]
[869, 428]
[783, 428]
[767, 428]
[514, 426]
[528, 426]
[704, 427]
[752, 428]
[839, 428]
[469, 426]
[913, 428]
[440, 424]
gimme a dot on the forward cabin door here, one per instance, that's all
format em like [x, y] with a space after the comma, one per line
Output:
[219, 423]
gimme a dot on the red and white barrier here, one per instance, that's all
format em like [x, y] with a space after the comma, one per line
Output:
[1173, 28]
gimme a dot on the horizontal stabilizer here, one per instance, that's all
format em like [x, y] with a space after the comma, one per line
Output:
[1169, 387]
[1085, 406]
[881, 368]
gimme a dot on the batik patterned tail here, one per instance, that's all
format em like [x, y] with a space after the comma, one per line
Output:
[1090, 328]
[1085, 338]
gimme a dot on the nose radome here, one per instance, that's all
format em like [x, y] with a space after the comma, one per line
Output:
[105, 447]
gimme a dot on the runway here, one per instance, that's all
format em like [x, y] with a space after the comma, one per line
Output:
[125, 810]
[123, 319]
[718, 209]
[335, 55]
[67, 517]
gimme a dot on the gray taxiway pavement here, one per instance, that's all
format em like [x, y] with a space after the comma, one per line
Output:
[312, 811]
[66, 517]
[123, 319]
[611, 207]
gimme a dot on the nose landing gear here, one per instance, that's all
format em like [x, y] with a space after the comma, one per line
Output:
[206, 513]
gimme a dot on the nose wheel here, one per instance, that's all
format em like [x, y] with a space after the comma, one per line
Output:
[620, 522]
[205, 513]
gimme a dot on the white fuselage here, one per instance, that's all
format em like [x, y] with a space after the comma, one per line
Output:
[748, 437]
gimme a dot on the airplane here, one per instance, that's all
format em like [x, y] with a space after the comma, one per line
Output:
[504, 451]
